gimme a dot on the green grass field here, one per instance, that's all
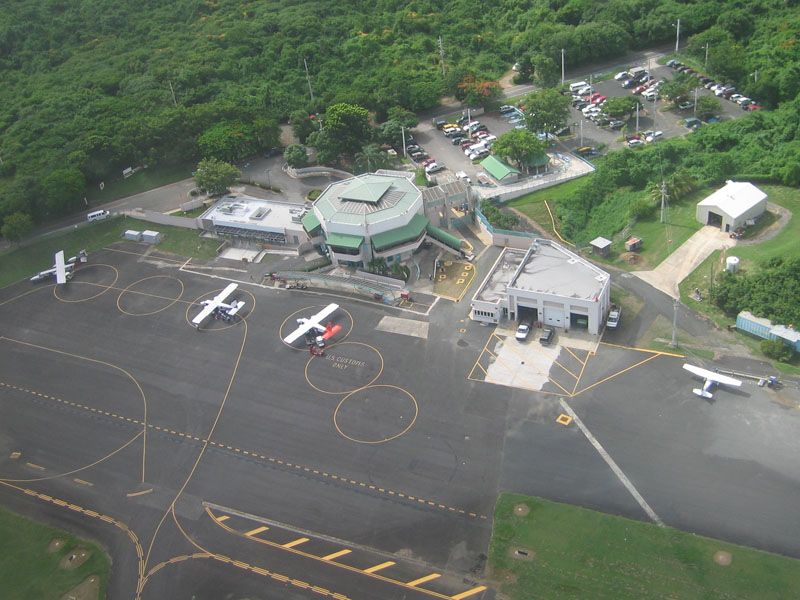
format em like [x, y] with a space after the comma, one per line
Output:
[579, 553]
[532, 205]
[28, 571]
[142, 181]
[19, 263]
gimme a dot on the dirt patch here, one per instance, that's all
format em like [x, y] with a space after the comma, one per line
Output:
[74, 559]
[723, 558]
[507, 80]
[519, 553]
[55, 545]
[88, 589]
[522, 510]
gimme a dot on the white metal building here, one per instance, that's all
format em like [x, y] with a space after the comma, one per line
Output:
[547, 284]
[731, 206]
[253, 221]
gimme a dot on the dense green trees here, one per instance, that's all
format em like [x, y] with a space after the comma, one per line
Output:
[295, 156]
[546, 110]
[16, 226]
[215, 176]
[520, 146]
[99, 87]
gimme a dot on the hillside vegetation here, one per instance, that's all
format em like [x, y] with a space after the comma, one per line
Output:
[94, 86]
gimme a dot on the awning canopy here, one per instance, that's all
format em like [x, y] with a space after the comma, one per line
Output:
[407, 233]
[344, 240]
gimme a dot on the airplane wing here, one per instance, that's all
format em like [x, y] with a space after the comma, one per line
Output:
[712, 376]
[61, 270]
[311, 323]
[203, 314]
[223, 295]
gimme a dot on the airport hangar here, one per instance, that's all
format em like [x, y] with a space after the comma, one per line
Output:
[545, 283]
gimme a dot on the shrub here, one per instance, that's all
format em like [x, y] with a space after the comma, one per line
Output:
[777, 350]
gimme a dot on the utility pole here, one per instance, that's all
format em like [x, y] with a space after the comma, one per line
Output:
[562, 66]
[308, 79]
[637, 117]
[581, 122]
[694, 110]
[175, 102]
[705, 64]
[755, 76]
[441, 53]
[677, 35]
[403, 133]
[664, 196]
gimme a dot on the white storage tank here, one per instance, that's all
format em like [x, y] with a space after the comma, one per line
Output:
[732, 264]
[133, 236]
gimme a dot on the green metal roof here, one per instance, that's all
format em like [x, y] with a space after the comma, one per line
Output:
[444, 237]
[402, 234]
[344, 240]
[497, 168]
[310, 221]
[366, 191]
[539, 160]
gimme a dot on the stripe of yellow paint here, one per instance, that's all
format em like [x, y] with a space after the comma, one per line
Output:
[294, 543]
[256, 530]
[388, 563]
[421, 580]
[469, 593]
[222, 518]
[336, 554]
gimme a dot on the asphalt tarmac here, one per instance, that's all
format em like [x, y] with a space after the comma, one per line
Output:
[223, 463]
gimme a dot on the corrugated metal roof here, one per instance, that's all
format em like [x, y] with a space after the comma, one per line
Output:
[344, 240]
[401, 234]
[367, 198]
[310, 221]
[497, 168]
[444, 237]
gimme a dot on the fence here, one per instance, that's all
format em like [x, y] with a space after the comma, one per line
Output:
[504, 237]
[162, 219]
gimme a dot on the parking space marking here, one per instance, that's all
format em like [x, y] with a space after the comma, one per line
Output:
[620, 372]
[297, 542]
[333, 555]
[256, 531]
[468, 593]
[380, 567]
[424, 579]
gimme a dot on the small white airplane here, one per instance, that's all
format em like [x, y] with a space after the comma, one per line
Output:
[315, 323]
[712, 379]
[62, 270]
[218, 307]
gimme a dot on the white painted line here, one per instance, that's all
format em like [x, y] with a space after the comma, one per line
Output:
[614, 467]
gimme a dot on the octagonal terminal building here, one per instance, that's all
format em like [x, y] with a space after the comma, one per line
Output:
[367, 217]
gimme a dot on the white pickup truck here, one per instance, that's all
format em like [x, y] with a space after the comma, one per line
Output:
[614, 316]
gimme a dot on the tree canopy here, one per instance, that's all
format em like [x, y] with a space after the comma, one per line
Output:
[546, 110]
[215, 176]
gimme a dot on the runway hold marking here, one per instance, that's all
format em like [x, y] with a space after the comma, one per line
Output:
[257, 455]
[256, 531]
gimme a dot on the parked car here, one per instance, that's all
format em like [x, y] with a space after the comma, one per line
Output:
[622, 75]
[672, 63]
[418, 156]
[753, 106]
[616, 124]
[629, 83]
[466, 144]
[685, 105]
[743, 101]
[463, 177]
[506, 108]
[655, 135]
[457, 140]
[587, 151]
[413, 148]
[523, 331]
[548, 333]
[635, 143]
[434, 167]
[710, 85]
[479, 155]
[692, 122]
[428, 161]
[735, 97]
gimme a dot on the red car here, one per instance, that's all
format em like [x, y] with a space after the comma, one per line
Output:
[428, 161]
[466, 143]
[753, 106]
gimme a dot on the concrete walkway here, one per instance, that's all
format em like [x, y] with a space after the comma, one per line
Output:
[678, 265]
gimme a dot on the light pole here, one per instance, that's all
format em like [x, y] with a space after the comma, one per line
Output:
[705, 64]
[694, 110]
[562, 66]
[677, 35]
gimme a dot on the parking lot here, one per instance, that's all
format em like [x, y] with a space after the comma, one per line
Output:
[660, 115]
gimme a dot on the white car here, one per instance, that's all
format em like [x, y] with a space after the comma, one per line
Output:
[464, 177]
[523, 331]
[584, 90]
[622, 75]
[735, 97]
[654, 136]
[591, 109]
[743, 101]
[635, 143]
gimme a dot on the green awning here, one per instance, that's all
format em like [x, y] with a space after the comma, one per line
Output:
[310, 221]
[444, 237]
[344, 240]
[407, 233]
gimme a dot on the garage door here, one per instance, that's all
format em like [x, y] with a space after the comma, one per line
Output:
[554, 316]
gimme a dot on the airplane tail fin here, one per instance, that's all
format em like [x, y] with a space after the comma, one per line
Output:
[701, 393]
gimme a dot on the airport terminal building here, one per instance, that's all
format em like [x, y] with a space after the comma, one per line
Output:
[547, 284]
[373, 216]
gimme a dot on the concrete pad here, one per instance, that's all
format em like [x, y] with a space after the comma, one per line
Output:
[519, 365]
[678, 265]
[403, 326]
[239, 254]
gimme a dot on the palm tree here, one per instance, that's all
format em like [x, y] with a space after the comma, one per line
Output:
[371, 158]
